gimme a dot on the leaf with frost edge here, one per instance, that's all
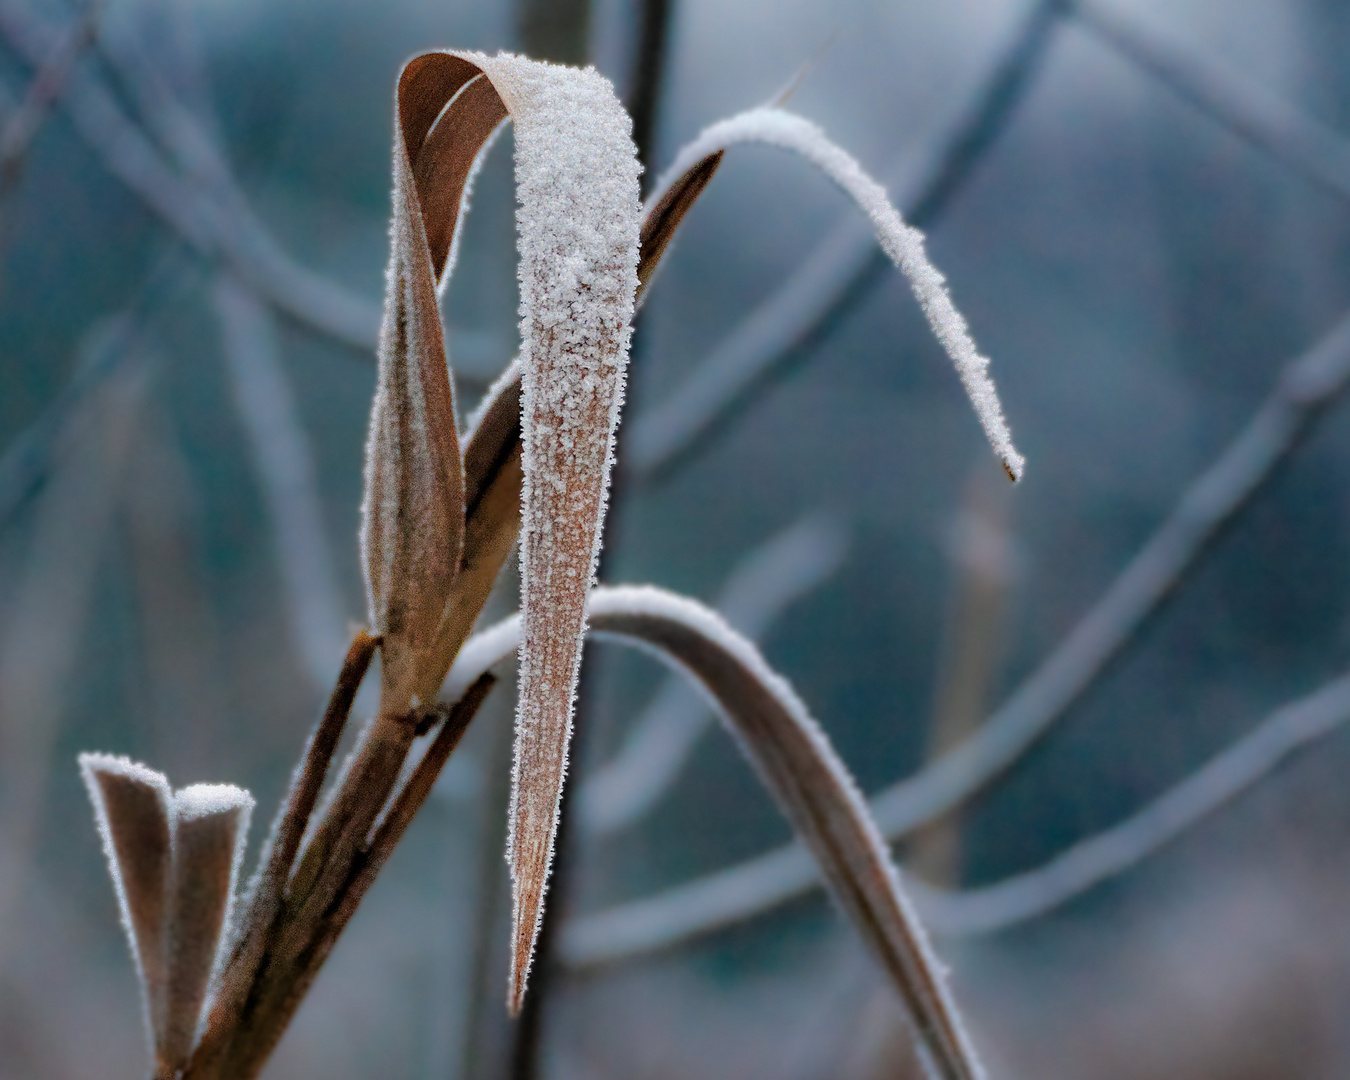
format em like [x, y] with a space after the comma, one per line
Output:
[903, 243]
[578, 220]
[796, 761]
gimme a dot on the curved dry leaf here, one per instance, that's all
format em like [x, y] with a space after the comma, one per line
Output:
[210, 828]
[799, 766]
[413, 512]
[901, 242]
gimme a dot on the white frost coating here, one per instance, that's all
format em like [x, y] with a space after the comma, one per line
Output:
[904, 245]
[782, 570]
[578, 217]
[202, 800]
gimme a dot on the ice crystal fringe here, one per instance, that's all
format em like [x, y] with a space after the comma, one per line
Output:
[174, 860]
[799, 765]
[904, 245]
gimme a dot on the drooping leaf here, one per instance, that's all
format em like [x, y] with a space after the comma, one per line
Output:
[578, 224]
[904, 244]
[800, 767]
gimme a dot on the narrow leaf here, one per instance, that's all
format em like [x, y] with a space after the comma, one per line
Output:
[413, 514]
[210, 828]
[578, 224]
[904, 244]
[133, 808]
[800, 767]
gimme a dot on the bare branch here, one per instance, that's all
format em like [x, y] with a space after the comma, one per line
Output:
[212, 227]
[1315, 151]
[1307, 386]
[43, 90]
[283, 466]
[1099, 858]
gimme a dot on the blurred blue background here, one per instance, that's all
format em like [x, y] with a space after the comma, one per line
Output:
[1142, 210]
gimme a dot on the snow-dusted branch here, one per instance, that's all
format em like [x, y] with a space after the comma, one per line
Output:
[841, 267]
[1318, 152]
[283, 465]
[214, 227]
[1306, 387]
[901, 242]
[782, 570]
[1100, 857]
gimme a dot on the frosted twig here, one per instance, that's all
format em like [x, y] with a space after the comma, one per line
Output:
[1306, 387]
[838, 271]
[1113, 851]
[903, 243]
[782, 570]
[212, 228]
[283, 465]
[1317, 152]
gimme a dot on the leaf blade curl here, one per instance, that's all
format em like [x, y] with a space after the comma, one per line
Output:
[412, 532]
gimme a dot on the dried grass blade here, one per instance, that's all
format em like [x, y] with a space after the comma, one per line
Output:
[662, 216]
[904, 245]
[134, 809]
[413, 515]
[815, 790]
[210, 829]
[578, 224]
[799, 766]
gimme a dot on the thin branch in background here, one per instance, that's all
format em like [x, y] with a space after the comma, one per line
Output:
[1307, 387]
[647, 78]
[1315, 151]
[283, 465]
[661, 740]
[45, 87]
[43, 627]
[179, 635]
[1110, 853]
[211, 227]
[27, 460]
[836, 276]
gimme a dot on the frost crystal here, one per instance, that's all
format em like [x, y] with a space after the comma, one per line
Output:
[901, 242]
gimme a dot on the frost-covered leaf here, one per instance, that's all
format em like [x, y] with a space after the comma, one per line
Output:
[134, 810]
[904, 244]
[800, 767]
[578, 222]
[210, 829]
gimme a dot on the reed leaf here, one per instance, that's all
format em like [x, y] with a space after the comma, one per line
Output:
[799, 766]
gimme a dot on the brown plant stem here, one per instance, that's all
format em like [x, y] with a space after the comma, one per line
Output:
[265, 900]
[307, 943]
